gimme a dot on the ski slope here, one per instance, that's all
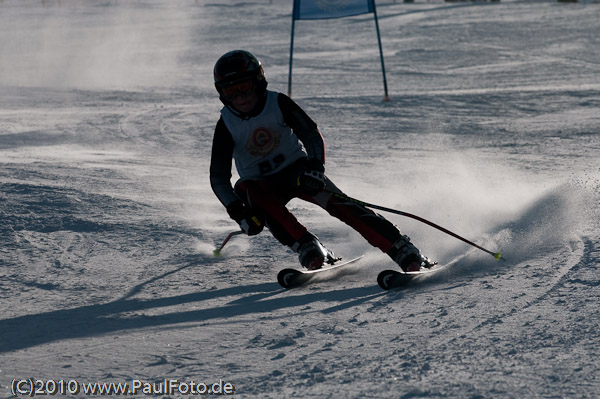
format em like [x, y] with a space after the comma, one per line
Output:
[107, 111]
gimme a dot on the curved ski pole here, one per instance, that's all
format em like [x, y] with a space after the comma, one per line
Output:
[217, 251]
[496, 255]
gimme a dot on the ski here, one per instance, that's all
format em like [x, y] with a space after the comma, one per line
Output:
[390, 279]
[291, 278]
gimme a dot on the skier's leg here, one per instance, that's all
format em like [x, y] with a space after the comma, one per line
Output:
[377, 230]
[282, 224]
[271, 198]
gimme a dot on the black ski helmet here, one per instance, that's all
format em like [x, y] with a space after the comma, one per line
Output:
[239, 66]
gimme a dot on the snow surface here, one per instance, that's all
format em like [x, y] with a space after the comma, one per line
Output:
[108, 222]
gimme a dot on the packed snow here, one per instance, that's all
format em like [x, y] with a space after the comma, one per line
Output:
[107, 110]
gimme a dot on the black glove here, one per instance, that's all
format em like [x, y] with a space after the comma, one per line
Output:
[249, 219]
[312, 181]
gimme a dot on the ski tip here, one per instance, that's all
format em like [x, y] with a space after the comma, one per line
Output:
[288, 278]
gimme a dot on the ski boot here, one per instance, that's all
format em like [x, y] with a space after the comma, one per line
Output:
[312, 254]
[408, 257]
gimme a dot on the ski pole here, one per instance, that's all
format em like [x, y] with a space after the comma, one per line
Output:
[217, 251]
[496, 255]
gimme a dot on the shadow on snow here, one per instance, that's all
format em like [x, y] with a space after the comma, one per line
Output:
[86, 321]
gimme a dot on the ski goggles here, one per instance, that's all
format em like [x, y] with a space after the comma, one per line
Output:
[242, 89]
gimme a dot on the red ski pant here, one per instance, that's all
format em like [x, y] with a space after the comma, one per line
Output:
[271, 195]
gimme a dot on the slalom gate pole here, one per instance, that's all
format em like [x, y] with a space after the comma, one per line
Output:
[496, 255]
[291, 53]
[217, 251]
[385, 88]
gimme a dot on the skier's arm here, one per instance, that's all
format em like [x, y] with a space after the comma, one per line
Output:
[303, 127]
[220, 164]
[312, 180]
[220, 181]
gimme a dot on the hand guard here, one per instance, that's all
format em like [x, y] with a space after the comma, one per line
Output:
[249, 220]
[312, 181]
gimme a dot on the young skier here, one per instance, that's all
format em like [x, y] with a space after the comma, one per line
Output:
[280, 155]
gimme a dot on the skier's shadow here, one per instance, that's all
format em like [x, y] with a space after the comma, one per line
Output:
[128, 314]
